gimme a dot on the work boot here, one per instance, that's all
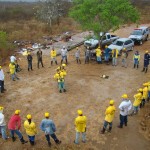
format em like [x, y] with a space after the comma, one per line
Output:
[51, 63]
[103, 130]
[77, 61]
[32, 143]
[143, 70]
[60, 91]
[56, 62]
[137, 66]
[66, 61]
[146, 70]
[64, 90]
[134, 65]
[61, 61]
[57, 142]
[23, 141]
[110, 128]
[120, 126]
[125, 124]
[28, 69]
[13, 139]
[49, 144]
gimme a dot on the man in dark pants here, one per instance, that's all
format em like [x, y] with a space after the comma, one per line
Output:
[39, 58]
[146, 61]
[124, 107]
[1, 80]
[29, 58]
[48, 126]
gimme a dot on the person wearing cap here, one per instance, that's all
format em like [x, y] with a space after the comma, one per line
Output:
[87, 55]
[136, 59]
[77, 55]
[2, 76]
[12, 69]
[146, 61]
[145, 95]
[110, 112]
[80, 126]
[114, 57]
[3, 124]
[39, 58]
[48, 127]
[29, 59]
[13, 59]
[124, 56]
[64, 53]
[14, 126]
[137, 102]
[53, 55]
[125, 106]
[30, 128]
[107, 54]
[98, 55]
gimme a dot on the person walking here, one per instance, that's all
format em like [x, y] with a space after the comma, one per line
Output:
[145, 95]
[80, 126]
[13, 59]
[29, 59]
[77, 55]
[124, 107]
[30, 128]
[64, 53]
[39, 58]
[3, 124]
[2, 76]
[53, 55]
[110, 112]
[136, 59]
[107, 54]
[98, 55]
[146, 61]
[48, 127]
[87, 55]
[12, 69]
[114, 57]
[124, 58]
[14, 126]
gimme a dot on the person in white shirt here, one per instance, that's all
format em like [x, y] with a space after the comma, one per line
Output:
[64, 53]
[2, 89]
[124, 107]
[13, 59]
[3, 124]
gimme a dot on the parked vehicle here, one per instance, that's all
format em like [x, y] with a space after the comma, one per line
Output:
[140, 34]
[121, 43]
[106, 40]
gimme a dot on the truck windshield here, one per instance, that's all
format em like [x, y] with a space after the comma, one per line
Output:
[118, 43]
[136, 32]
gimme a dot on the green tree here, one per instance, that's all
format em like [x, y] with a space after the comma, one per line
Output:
[103, 15]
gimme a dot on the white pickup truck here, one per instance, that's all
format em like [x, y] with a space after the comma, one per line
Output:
[140, 34]
[106, 40]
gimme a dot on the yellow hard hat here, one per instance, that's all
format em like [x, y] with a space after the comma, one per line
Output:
[111, 102]
[0, 67]
[98, 46]
[29, 53]
[140, 90]
[1, 108]
[58, 68]
[47, 114]
[64, 65]
[124, 48]
[29, 116]
[106, 46]
[145, 84]
[124, 96]
[146, 51]
[17, 112]
[79, 112]
[77, 47]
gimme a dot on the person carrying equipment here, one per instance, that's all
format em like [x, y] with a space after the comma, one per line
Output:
[53, 55]
[145, 95]
[12, 68]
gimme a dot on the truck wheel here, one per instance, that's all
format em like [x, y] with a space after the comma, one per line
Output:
[141, 42]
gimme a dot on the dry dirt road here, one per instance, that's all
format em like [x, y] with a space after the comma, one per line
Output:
[36, 92]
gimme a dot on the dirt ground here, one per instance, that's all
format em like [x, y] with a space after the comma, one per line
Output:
[36, 93]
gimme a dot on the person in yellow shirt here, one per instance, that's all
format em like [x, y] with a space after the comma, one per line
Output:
[30, 128]
[53, 55]
[80, 126]
[98, 55]
[12, 69]
[114, 57]
[109, 116]
[137, 101]
[145, 95]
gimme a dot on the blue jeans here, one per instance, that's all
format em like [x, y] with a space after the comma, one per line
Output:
[31, 138]
[123, 120]
[106, 124]
[99, 58]
[61, 85]
[107, 58]
[114, 61]
[135, 108]
[149, 94]
[53, 136]
[78, 136]
[136, 62]
[12, 132]
[30, 65]
[3, 132]
[13, 76]
[124, 62]
[64, 57]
